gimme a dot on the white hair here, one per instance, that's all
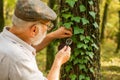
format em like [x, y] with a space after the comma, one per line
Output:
[21, 24]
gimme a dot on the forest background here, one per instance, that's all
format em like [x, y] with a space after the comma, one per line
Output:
[109, 37]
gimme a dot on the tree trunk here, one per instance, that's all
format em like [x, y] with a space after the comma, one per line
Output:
[104, 20]
[1, 15]
[84, 63]
[118, 35]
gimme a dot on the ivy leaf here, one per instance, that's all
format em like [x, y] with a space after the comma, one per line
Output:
[85, 21]
[87, 78]
[95, 46]
[87, 39]
[72, 76]
[82, 8]
[77, 52]
[65, 10]
[66, 16]
[91, 70]
[85, 46]
[68, 25]
[76, 19]
[93, 14]
[82, 67]
[82, 77]
[77, 30]
[68, 67]
[95, 24]
[90, 54]
[90, 2]
[76, 61]
[71, 3]
[82, 37]
[80, 45]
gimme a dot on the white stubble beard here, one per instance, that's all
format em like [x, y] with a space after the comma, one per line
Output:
[39, 37]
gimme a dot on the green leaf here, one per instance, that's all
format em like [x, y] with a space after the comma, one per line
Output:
[65, 10]
[87, 78]
[88, 37]
[68, 67]
[91, 70]
[85, 21]
[82, 37]
[76, 19]
[82, 77]
[86, 41]
[71, 3]
[95, 25]
[68, 25]
[81, 67]
[72, 58]
[72, 77]
[95, 46]
[85, 61]
[80, 45]
[93, 14]
[90, 2]
[90, 54]
[77, 30]
[85, 46]
[76, 61]
[77, 52]
[82, 8]
[66, 16]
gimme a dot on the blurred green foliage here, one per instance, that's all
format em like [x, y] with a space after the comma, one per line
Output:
[8, 10]
[107, 49]
[112, 18]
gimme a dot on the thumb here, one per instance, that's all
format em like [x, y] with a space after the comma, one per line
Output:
[64, 48]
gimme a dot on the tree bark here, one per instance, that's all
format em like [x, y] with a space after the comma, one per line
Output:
[89, 30]
[1, 15]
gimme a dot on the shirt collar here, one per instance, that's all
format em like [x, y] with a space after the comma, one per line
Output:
[13, 37]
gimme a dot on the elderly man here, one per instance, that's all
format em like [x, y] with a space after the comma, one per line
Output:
[31, 20]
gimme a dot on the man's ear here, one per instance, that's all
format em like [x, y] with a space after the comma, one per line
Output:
[33, 31]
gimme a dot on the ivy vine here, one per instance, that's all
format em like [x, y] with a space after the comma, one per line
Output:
[84, 44]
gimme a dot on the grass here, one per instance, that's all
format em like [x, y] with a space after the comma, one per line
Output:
[110, 61]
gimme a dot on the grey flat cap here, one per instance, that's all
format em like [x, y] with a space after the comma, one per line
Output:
[33, 10]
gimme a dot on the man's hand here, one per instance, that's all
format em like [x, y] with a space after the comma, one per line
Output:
[63, 55]
[62, 32]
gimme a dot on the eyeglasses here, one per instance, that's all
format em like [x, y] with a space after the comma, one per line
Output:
[50, 26]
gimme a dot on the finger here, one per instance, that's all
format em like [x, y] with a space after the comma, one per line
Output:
[68, 49]
[68, 32]
[64, 48]
[70, 29]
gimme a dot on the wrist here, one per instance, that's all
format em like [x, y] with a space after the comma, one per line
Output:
[57, 62]
[51, 36]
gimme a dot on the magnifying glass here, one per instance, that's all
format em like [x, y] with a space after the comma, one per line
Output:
[68, 41]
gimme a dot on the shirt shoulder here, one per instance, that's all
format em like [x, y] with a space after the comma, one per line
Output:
[10, 49]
